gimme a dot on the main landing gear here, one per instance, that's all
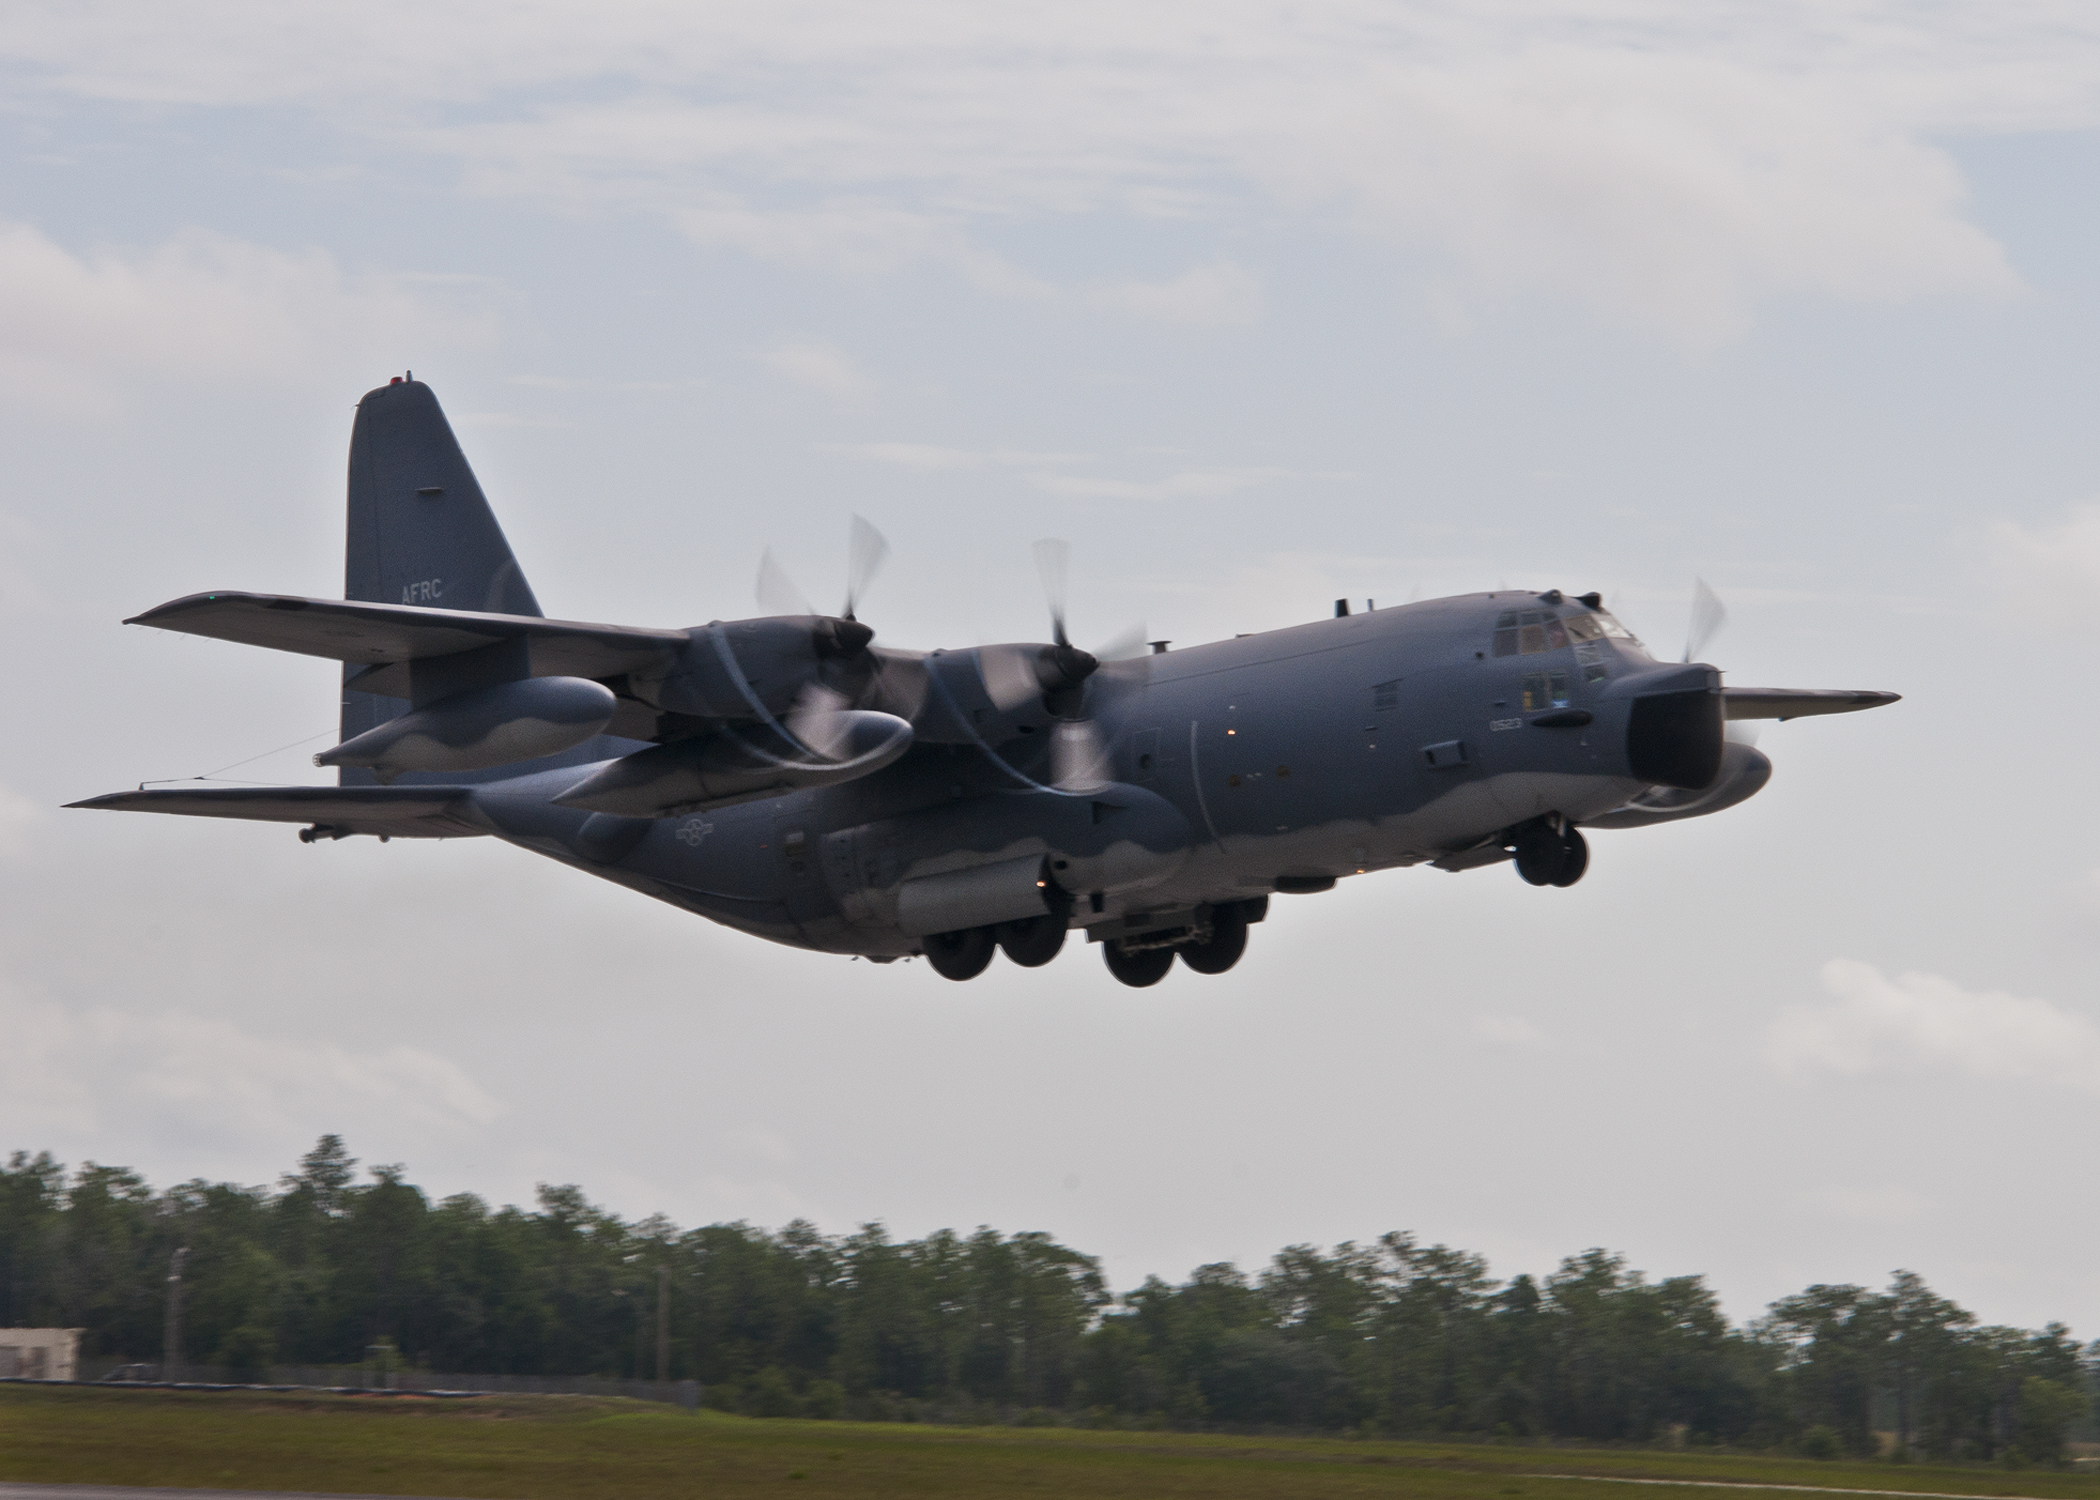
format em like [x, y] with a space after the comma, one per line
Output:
[1031, 943]
[1210, 945]
[1550, 851]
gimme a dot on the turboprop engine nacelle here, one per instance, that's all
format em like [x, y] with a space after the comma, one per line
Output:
[494, 726]
[741, 765]
[727, 668]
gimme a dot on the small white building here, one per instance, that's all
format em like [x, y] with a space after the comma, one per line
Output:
[39, 1353]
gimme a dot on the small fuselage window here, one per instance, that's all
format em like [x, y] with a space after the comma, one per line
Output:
[1543, 690]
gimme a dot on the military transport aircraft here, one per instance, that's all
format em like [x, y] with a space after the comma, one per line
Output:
[787, 776]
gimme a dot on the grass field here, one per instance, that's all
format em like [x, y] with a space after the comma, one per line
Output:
[557, 1447]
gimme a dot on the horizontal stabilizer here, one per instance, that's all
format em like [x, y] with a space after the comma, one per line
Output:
[380, 636]
[402, 812]
[1799, 703]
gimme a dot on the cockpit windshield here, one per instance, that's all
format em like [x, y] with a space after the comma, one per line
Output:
[1614, 629]
[1531, 631]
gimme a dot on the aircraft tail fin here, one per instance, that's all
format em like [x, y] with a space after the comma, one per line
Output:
[420, 530]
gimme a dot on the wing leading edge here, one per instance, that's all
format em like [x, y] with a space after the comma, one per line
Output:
[402, 812]
[385, 637]
[1799, 703]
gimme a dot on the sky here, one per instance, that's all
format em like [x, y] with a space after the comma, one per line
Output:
[1258, 304]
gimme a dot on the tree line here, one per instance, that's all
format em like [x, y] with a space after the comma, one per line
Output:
[1394, 1337]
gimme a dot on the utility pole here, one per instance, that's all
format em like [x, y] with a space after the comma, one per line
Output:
[663, 1324]
[171, 1331]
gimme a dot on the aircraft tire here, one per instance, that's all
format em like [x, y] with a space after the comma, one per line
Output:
[1541, 854]
[961, 955]
[1032, 941]
[1228, 940]
[1147, 966]
[1575, 857]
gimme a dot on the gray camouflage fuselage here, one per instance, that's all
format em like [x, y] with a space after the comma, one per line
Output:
[1294, 754]
[788, 778]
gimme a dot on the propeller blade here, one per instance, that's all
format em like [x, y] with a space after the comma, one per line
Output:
[1709, 614]
[777, 594]
[900, 684]
[817, 721]
[865, 550]
[1127, 644]
[1053, 561]
[1078, 759]
[1009, 675]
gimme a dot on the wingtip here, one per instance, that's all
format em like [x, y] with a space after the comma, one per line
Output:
[187, 601]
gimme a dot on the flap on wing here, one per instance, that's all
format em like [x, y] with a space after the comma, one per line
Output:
[381, 635]
[402, 812]
[1799, 703]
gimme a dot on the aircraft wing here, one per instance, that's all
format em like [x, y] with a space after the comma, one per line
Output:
[402, 812]
[1798, 703]
[384, 635]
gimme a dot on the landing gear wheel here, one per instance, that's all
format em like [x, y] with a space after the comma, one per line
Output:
[1541, 853]
[1144, 967]
[1228, 940]
[1033, 941]
[1575, 856]
[960, 955]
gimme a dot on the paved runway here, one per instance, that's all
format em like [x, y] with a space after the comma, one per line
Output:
[143, 1492]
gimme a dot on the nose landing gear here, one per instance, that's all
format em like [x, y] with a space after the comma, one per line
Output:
[1550, 851]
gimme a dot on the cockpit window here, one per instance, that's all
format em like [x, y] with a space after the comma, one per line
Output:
[1615, 630]
[1527, 632]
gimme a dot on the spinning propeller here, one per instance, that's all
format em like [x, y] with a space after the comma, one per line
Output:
[866, 549]
[1078, 759]
[821, 718]
[1708, 615]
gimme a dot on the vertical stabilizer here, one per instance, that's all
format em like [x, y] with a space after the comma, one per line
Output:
[420, 532]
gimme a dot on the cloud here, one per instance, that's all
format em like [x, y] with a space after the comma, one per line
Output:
[818, 367]
[20, 818]
[1185, 485]
[2048, 571]
[1867, 1204]
[66, 1069]
[76, 329]
[931, 458]
[23, 555]
[1509, 1031]
[1213, 296]
[1199, 483]
[1671, 165]
[1918, 1021]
